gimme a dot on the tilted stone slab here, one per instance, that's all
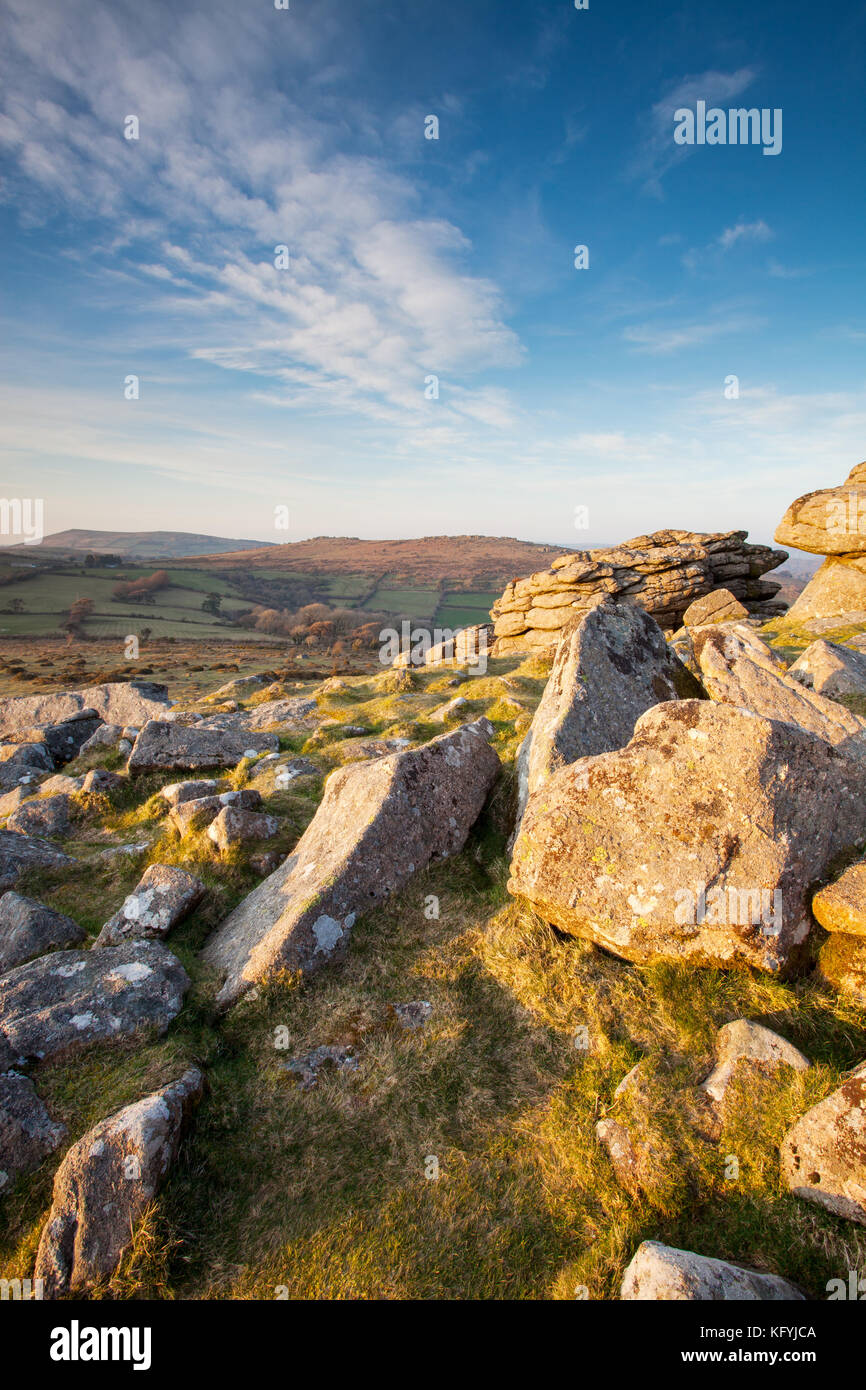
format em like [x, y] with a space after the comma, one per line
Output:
[69, 1000]
[698, 841]
[163, 898]
[830, 669]
[735, 671]
[379, 822]
[611, 665]
[106, 1181]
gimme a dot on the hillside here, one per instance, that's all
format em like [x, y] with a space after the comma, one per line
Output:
[460, 561]
[156, 545]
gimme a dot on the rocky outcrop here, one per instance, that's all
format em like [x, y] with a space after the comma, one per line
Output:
[118, 703]
[29, 928]
[19, 852]
[823, 1157]
[378, 823]
[27, 1132]
[163, 898]
[68, 1000]
[663, 573]
[163, 746]
[106, 1181]
[743, 1048]
[297, 712]
[831, 522]
[23, 763]
[662, 1273]
[689, 844]
[611, 666]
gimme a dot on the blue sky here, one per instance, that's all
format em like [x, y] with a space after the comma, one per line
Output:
[304, 388]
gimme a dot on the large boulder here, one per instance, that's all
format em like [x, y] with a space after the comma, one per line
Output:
[830, 520]
[68, 1000]
[841, 905]
[20, 852]
[718, 606]
[106, 1181]
[611, 665]
[162, 746]
[29, 928]
[834, 597]
[120, 702]
[234, 824]
[43, 815]
[830, 669]
[379, 822]
[823, 1156]
[163, 898]
[66, 739]
[698, 841]
[661, 1273]
[27, 1132]
[735, 671]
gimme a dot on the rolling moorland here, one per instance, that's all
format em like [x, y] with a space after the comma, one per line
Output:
[308, 1171]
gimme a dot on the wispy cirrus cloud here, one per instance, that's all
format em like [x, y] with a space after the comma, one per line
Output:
[657, 153]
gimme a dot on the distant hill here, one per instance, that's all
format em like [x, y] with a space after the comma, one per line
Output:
[430, 560]
[155, 545]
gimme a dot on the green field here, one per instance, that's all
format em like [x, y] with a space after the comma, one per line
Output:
[44, 592]
[415, 603]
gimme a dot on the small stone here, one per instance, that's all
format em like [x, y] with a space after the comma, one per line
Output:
[841, 906]
[742, 1045]
[48, 816]
[27, 1132]
[306, 1069]
[234, 825]
[662, 1273]
[163, 898]
[823, 1157]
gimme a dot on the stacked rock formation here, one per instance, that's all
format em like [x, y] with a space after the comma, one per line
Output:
[831, 522]
[663, 573]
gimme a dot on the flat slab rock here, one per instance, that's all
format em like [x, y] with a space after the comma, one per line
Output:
[19, 852]
[378, 823]
[29, 928]
[699, 841]
[661, 1273]
[611, 665]
[162, 745]
[296, 712]
[27, 1132]
[118, 702]
[163, 897]
[106, 1181]
[69, 1000]
[718, 606]
[823, 1157]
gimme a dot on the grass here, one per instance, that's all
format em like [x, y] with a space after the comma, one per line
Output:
[333, 1192]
